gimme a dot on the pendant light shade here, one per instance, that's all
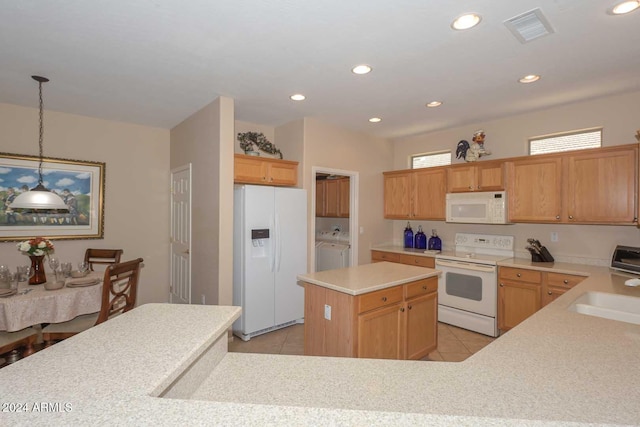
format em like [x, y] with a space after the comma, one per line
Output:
[39, 197]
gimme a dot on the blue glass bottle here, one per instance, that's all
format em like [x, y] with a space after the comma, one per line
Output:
[408, 236]
[435, 244]
[420, 239]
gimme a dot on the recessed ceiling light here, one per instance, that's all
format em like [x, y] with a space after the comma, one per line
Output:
[375, 119]
[298, 97]
[530, 78]
[361, 69]
[625, 7]
[433, 104]
[466, 21]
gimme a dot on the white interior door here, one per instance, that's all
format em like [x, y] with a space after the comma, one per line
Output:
[180, 234]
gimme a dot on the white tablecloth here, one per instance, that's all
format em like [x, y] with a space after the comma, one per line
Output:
[42, 306]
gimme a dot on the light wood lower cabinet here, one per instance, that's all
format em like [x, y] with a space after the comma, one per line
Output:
[399, 322]
[522, 292]
[556, 284]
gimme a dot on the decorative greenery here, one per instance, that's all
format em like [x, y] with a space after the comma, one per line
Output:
[248, 139]
[38, 246]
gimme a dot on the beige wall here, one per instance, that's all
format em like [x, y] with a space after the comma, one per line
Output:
[205, 140]
[507, 137]
[332, 147]
[137, 186]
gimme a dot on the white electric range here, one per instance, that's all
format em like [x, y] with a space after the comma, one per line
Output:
[468, 286]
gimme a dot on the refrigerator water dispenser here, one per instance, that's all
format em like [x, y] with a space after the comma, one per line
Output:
[259, 242]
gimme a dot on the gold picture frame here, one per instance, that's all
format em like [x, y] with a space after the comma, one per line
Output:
[80, 183]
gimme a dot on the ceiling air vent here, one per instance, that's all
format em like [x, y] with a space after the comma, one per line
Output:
[529, 26]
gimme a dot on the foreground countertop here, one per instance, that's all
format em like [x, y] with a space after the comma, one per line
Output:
[554, 368]
[362, 279]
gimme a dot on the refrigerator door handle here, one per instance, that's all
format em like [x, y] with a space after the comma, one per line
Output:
[272, 245]
[277, 243]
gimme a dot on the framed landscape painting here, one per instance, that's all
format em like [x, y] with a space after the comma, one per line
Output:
[79, 183]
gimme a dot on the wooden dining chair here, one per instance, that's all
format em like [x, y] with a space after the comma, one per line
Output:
[13, 341]
[102, 256]
[119, 291]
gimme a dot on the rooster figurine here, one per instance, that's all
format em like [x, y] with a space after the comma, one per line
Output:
[472, 152]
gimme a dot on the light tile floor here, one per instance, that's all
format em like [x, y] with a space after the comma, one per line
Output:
[454, 344]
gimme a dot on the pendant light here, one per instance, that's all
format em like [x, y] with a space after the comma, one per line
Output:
[39, 197]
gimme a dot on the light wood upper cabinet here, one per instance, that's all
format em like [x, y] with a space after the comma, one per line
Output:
[332, 198]
[480, 176]
[262, 171]
[320, 209]
[344, 197]
[535, 189]
[397, 194]
[596, 186]
[602, 186]
[429, 194]
[415, 194]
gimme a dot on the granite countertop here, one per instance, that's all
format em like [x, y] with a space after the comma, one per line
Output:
[556, 367]
[367, 278]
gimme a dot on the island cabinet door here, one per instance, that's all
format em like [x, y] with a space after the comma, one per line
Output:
[380, 333]
[422, 326]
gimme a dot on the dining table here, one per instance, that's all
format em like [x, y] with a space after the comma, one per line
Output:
[35, 305]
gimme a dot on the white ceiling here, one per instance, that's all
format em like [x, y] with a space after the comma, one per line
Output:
[156, 62]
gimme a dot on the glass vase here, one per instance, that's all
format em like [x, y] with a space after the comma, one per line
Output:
[38, 270]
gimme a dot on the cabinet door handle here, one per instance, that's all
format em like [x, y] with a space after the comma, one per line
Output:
[550, 293]
[519, 275]
[271, 179]
[502, 285]
[264, 178]
[557, 216]
[410, 307]
[471, 187]
[424, 288]
[570, 216]
[402, 309]
[384, 299]
[478, 187]
[565, 281]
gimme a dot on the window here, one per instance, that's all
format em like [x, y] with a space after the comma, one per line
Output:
[429, 160]
[567, 141]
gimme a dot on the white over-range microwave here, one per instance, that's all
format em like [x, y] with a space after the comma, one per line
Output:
[487, 207]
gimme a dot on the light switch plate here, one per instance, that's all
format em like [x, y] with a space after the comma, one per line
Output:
[327, 312]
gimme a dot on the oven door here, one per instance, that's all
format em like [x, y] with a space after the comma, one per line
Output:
[468, 286]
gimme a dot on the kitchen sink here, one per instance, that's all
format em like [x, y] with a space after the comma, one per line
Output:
[609, 306]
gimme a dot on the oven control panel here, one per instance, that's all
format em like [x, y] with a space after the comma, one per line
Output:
[483, 241]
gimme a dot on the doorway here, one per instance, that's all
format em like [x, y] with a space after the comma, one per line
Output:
[335, 217]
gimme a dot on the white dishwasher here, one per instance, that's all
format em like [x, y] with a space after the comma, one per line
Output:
[330, 256]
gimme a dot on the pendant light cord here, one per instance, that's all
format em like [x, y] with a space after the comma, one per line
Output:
[40, 144]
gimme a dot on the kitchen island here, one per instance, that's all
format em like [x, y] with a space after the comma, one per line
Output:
[382, 310]
[163, 364]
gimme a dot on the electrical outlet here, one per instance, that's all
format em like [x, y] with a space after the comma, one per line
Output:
[554, 236]
[327, 312]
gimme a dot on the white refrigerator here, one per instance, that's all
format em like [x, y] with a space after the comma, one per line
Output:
[269, 251]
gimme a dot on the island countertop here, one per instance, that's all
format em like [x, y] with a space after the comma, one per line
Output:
[167, 364]
[367, 278]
